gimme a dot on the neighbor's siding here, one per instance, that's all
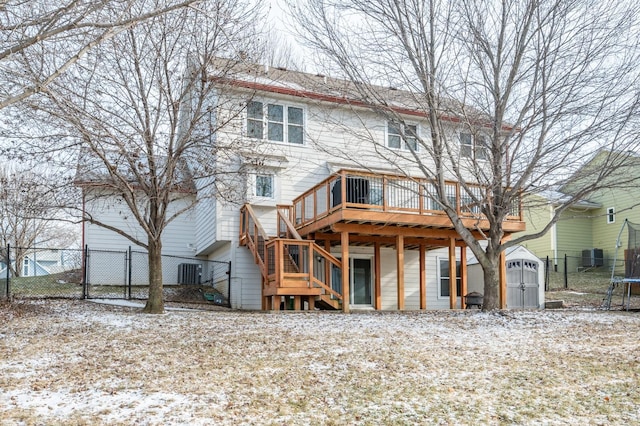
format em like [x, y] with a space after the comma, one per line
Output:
[574, 232]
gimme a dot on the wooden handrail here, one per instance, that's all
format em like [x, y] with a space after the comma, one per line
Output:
[247, 236]
[290, 230]
[387, 187]
[308, 276]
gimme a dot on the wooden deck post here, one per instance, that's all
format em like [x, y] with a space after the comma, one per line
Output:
[423, 277]
[463, 275]
[344, 241]
[297, 303]
[400, 270]
[453, 297]
[311, 301]
[503, 280]
[377, 301]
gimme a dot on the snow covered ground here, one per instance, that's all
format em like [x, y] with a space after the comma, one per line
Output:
[74, 362]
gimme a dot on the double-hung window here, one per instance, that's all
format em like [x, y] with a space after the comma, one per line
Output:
[279, 123]
[402, 136]
[611, 215]
[473, 146]
[444, 278]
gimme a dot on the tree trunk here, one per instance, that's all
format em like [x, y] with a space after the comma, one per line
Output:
[491, 300]
[155, 302]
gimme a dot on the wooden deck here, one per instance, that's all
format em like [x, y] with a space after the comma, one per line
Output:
[383, 205]
[354, 208]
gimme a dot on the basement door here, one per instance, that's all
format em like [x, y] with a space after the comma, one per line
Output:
[360, 272]
[522, 284]
[360, 282]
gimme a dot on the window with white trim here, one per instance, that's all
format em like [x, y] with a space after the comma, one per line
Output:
[278, 122]
[264, 186]
[474, 146]
[611, 215]
[444, 278]
[402, 136]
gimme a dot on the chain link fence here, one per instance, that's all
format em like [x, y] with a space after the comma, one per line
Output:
[109, 274]
[578, 273]
[32, 272]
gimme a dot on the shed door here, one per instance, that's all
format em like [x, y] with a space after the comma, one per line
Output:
[522, 274]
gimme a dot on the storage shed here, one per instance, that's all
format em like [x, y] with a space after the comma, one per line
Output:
[525, 278]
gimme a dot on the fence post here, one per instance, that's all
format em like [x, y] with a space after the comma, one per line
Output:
[8, 270]
[229, 284]
[546, 274]
[129, 273]
[566, 273]
[85, 267]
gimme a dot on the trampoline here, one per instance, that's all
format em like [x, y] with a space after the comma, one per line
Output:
[631, 264]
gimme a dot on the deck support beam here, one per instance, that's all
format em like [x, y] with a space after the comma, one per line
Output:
[502, 291]
[453, 297]
[423, 277]
[344, 241]
[400, 270]
[463, 276]
[377, 289]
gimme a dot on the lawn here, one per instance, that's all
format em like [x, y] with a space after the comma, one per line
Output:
[77, 362]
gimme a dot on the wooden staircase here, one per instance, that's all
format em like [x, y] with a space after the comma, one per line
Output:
[292, 268]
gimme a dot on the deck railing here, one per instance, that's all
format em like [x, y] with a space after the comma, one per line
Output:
[253, 236]
[302, 263]
[290, 261]
[386, 193]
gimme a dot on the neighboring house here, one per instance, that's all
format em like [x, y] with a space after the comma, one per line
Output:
[41, 262]
[588, 230]
[319, 229]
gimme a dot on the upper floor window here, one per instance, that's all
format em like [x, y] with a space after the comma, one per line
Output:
[279, 122]
[611, 215]
[402, 136]
[473, 146]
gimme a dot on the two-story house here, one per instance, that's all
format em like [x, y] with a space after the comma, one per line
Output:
[329, 219]
[336, 213]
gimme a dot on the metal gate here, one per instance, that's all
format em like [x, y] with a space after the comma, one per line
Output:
[522, 284]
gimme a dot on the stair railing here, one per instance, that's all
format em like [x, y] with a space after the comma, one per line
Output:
[254, 237]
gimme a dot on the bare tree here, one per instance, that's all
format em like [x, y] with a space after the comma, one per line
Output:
[513, 95]
[139, 116]
[26, 217]
[41, 40]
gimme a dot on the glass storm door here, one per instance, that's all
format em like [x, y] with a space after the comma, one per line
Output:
[360, 282]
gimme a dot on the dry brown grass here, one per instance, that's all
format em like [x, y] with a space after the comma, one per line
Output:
[66, 362]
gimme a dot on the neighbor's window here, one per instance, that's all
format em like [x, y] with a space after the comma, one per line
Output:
[402, 136]
[280, 123]
[264, 186]
[611, 215]
[473, 146]
[444, 278]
